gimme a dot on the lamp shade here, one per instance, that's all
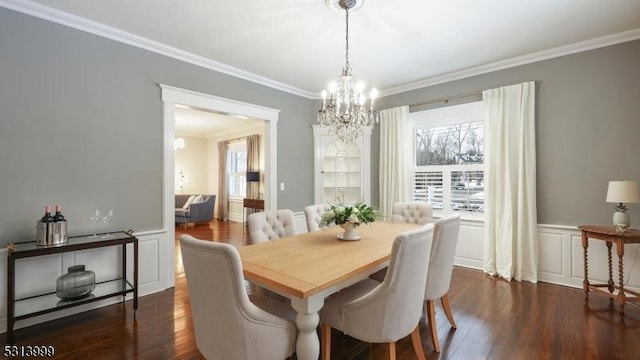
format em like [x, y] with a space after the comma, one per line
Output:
[253, 176]
[623, 192]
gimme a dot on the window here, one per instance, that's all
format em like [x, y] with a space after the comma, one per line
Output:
[448, 170]
[237, 169]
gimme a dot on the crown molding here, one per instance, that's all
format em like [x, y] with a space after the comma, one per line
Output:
[92, 27]
[82, 24]
[582, 46]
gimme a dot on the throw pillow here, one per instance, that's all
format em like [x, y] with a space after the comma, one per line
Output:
[199, 199]
[189, 202]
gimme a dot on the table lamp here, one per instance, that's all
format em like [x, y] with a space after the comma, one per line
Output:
[253, 176]
[622, 192]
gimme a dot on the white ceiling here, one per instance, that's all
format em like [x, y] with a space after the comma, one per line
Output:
[298, 45]
[201, 123]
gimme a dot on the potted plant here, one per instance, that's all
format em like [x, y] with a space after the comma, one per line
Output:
[349, 217]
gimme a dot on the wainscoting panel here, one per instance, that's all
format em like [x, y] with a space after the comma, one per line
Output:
[35, 276]
[469, 249]
[149, 248]
[551, 253]
[301, 222]
[105, 262]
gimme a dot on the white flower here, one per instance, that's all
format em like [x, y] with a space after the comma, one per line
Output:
[354, 219]
[339, 209]
[355, 210]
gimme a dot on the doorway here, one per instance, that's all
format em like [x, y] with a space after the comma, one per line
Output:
[172, 96]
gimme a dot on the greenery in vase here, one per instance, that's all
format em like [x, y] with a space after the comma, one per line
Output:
[358, 214]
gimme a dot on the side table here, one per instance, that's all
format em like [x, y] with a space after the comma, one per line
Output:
[611, 236]
[257, 204]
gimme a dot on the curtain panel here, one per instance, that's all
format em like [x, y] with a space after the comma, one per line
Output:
[223, 192]
[253, 165]
[395, 158]
[510, 233]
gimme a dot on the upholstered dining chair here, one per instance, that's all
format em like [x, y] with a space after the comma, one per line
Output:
[229, 324]
[388, 311]
[445, 239]
[270, 225]
[313, 215]
[411, 212]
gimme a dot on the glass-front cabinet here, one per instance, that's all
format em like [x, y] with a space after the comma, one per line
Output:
[342, 170]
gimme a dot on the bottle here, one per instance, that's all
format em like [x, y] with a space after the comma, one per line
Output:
[47, 218]
[45, 228]
[58, 216]
[59, 227]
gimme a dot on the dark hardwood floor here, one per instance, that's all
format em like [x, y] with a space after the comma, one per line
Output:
[496, 320]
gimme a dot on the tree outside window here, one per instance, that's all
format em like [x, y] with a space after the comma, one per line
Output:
[449, 157]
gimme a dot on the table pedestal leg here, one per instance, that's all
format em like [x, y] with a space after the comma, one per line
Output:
[307, 344]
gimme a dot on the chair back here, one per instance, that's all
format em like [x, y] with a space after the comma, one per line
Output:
[313, 215]
[445, 240]
[412, 212]
[270, 225]
[393, 309]
[226, 323]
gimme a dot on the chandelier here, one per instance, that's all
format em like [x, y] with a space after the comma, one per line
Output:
[344, 107]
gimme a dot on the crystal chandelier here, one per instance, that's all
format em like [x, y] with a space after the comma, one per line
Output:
[344, 107]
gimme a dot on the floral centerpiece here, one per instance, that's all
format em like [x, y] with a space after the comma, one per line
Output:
[349, 217]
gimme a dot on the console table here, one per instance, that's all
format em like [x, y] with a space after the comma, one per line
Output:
[252, 204]
[19, 309]
[611, 236]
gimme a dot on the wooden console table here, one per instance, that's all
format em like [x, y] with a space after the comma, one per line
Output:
[252, 204]
[611, 236]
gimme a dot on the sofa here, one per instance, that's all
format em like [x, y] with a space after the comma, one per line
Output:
[193, 208]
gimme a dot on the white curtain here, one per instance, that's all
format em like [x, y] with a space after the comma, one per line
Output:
[510, 235]
[395, 158]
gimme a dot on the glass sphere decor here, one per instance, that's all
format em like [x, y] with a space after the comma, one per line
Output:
[76, 283]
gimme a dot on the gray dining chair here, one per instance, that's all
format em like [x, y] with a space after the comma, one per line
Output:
[412, 212]
[270, 225]
[445, 240]
[313, 215]
[228, 323]
[387, 311]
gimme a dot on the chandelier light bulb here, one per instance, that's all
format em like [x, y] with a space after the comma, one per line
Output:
[333, 87]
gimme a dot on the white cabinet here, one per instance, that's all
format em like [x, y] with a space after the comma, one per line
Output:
[342, 170]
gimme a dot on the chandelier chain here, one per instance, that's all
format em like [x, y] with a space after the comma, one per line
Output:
[346, 46]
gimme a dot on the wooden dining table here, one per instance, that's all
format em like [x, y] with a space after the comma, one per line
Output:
[308, 267]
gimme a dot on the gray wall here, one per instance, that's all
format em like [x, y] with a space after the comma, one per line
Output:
[587, 128]
[81, 126]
